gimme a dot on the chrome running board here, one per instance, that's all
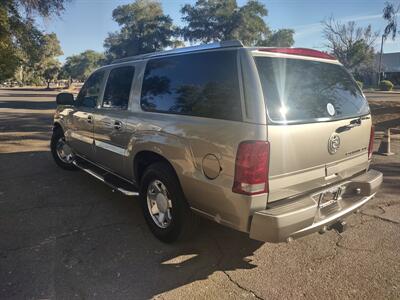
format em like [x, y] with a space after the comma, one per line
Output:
[114, 185]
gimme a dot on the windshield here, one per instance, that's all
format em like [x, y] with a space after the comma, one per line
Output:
[299, 91]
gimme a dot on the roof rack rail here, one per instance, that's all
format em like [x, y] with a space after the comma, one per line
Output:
[216, 45]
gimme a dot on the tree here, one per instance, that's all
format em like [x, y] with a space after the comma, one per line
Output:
[80, 66]
[42, 57]
[278, 38]
[390, 14]
[50, 74]
[351, 45]
[217, 20]
[50, 49]
[8, 61]
[8, 58]
[19, 37]
[44, 8]
[144, 28]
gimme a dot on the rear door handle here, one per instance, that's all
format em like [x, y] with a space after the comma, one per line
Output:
[353, 123]
[90, 119]
[118, 125]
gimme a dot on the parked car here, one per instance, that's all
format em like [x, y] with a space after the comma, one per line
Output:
[276, 142]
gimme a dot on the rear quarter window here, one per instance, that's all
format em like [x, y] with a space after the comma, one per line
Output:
[303, 91]
[201, 84]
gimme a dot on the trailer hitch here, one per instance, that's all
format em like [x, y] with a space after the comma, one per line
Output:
[339, 226]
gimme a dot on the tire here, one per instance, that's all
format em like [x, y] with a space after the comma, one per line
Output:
[57, 136]
[183, 221]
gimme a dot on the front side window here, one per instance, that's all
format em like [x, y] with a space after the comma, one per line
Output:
[302, 91]
[116, 94]
[90, 91]
[201, 84]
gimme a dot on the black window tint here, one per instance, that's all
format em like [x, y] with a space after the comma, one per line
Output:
[118, 87]
[202, 84]
[90, 91]
[307, 91]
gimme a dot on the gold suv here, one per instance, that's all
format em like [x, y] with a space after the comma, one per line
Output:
[275, 142]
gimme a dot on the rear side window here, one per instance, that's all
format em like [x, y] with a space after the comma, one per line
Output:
[201, 84]
[90, 91]
[301, 91]
[116, 94]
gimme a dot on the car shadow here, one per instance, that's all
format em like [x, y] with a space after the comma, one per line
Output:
[377, 109]
[26, 122]
[391, 173]
[82, 239]
[395, 123]
[29, 104]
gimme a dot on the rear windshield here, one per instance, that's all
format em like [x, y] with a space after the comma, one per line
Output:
[300, 91]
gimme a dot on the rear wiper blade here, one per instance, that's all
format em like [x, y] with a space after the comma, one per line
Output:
[353, 123]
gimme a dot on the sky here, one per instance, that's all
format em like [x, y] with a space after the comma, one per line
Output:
[86, 23]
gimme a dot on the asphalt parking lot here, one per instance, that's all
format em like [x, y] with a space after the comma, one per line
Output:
[64, 235]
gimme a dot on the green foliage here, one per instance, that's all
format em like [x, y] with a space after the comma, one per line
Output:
[44, 8]
[82, 65]
[8, 58]
[50, 74]
[20, 40]
[278, 38]
[360, 84]
[251, 27]
[50, 46]
[8, 61]
[216, 20]
[40, 59]
[390, 13]
[386, 85]
[144, 28]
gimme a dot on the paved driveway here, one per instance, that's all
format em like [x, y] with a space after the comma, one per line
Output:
[385, 107]
[64, 235]
[383, 96]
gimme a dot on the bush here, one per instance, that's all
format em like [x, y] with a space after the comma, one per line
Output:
[385, 85]
[360, 84]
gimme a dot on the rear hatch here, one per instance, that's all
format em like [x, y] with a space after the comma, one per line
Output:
[319, 123]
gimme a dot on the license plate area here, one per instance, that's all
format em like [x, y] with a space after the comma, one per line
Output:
[330, 197]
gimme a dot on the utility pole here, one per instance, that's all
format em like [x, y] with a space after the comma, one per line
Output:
[380, 60]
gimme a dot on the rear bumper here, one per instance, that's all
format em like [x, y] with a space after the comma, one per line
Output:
[302, 216]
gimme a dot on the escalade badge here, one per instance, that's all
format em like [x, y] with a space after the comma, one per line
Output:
[333, 143]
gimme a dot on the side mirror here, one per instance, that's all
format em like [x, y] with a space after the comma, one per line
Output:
[65, 99]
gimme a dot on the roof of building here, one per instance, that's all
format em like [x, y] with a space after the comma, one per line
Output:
[390, 62]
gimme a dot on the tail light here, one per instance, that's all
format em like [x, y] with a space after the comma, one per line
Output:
[251, 168]
[371, 143]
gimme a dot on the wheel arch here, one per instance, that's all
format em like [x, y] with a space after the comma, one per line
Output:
[57, 125]
[149, 146]
[143, 159]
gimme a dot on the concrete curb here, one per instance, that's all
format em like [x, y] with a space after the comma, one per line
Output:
[382, 92]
